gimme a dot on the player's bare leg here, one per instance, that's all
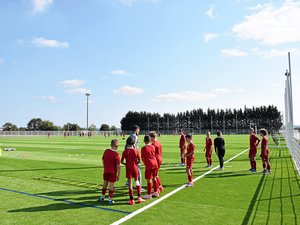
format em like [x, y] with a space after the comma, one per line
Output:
[104, 187]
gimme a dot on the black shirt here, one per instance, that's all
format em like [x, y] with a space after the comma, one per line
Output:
[219, 143]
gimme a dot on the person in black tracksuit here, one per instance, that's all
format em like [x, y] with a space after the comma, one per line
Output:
[219, 144]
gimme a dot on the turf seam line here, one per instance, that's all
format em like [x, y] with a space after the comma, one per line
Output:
[124, 219]
[64, 201]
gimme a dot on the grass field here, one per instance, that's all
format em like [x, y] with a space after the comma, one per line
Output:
[58, 181]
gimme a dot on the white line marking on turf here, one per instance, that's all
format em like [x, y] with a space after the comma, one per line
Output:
[122, 220]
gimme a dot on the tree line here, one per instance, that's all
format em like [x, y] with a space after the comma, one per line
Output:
[37, 124]
[268, 117]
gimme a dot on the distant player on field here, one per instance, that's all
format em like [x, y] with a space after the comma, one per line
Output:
[219, 144]
[189, 159]
[111, 164]
[182, 148]
[254, 141]
[131, 159]
[150, 162]
[265, 151]
[158, 155]
[208, 149]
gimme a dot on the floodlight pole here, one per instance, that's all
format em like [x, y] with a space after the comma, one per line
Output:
[87, 110]
[148, 124]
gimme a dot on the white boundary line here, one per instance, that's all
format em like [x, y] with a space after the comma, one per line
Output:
[122, 220]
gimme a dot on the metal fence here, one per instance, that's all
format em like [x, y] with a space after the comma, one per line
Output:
[291, 136]
[55, 133]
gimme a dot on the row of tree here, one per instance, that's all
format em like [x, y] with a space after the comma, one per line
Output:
[213, 119]
[37, 124]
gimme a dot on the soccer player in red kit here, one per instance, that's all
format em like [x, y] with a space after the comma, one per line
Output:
[158, 155]
[132, 159]
[189, 159]
[182, 148]
[150, 162]
[265, 151]
[111, 164]
[208, 149]
[254, 141]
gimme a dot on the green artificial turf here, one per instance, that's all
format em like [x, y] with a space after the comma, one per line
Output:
[58, 181]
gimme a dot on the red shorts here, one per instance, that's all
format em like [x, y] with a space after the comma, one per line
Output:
[159, 161]
[265, 157]
[252, 153]
[110, 177]
[182, 149]
[189, 163]
[151, 173]
[132, 174]
[208, 154]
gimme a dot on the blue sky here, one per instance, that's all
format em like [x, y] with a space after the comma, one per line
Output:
[144, 55]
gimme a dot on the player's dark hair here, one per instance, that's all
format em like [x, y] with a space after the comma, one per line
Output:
[263, 131]
[130, 141]
[113, 142]
[146, 138]
[153, 134]
[135, 127]
[218, 133]
[189, 136]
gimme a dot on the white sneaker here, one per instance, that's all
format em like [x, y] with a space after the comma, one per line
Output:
[189, 184]
[155, 194]
[147, 197]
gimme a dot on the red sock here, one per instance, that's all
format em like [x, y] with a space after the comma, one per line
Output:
[155, 186]
[111, 193]
[149, 188]
[131, 194]
[182, 160]
[264, 165]
[251, 164]
[207, 160]
[158, 181]
[254, 165]
[268, 166]
[190, 178]
[138, 188]
[103, 191]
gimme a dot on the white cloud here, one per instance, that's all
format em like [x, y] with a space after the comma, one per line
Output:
[131, 2]
[41, 5]
[128, 90]
[272, 53]
[210, 12]
[73, 83]
[270, 25]
[233, 53]
[43, 42]
[184, 96]
[239, 90]
[120, 72]
[51, 99]
[78, 91]
[191, 96]
[209, 37]
[220, 91]
[1, 61]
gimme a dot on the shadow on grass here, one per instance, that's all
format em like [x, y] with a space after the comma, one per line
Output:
[45, 169]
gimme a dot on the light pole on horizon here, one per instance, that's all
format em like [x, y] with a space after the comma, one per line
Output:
[87, 110]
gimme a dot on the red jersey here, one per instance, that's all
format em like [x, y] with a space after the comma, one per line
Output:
[158, 149]
[253, 141]
[208, 144]
[148, 157]
[132, 157]
[264, 146]
[182, 141]
[190, 148]
[111, 159]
